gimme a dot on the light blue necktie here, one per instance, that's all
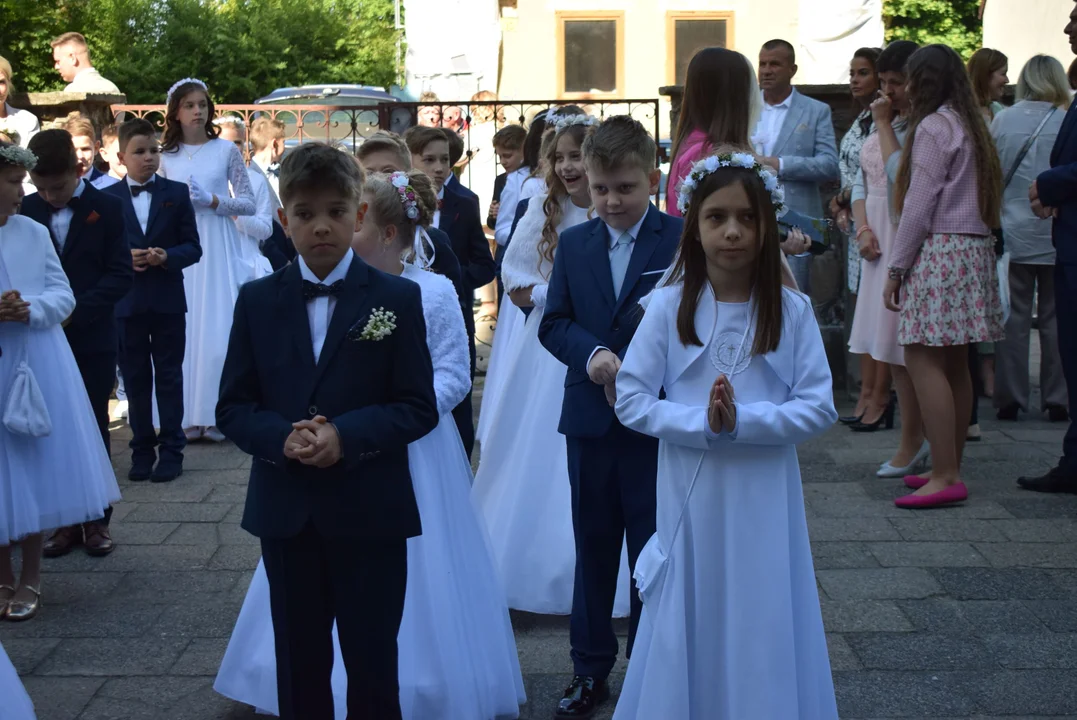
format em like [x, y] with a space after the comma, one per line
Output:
[620, 255]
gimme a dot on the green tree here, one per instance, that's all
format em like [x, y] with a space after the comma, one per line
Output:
[951, 22]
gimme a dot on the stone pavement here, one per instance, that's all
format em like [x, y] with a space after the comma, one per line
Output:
[968, 612]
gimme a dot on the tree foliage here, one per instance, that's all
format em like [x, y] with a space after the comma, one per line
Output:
[242, 48]
[951, 22]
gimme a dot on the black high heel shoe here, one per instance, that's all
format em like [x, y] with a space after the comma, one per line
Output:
[887, 417]
[851, 419]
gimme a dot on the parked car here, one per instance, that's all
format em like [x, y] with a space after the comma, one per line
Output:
[347, 127]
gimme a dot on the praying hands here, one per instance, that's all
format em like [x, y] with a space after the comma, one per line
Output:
[13, 308]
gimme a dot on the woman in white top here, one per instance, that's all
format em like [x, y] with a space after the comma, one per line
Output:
[17, 126]
[1030, 126]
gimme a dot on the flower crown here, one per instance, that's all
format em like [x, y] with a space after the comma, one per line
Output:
[229, 120]
[560, 122]
[176, 85]
[712, 163]
[406, 192]
[19, 157]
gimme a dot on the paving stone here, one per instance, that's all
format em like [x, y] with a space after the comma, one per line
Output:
[221, 457]
[833, 493]
[234, 534]
[226, 477]
[857, 508]
[947, 616]
[177, 587]
[1030, 555]
[26, 653]
[60, 698]
[194, 533]
[62, 588]
[863, 616]
[103, 657]
[1059, 615]
[830, 474]
[841, 555]
[228, 494]
[1044, 434]
[142, 533]
[180, 512]
[236, 557]
[95, 618]
[903, 694]
[182, 490]
[1029, 692]
[998, 584]
[1030, 652]
[121, 510]
[946, 529]
[542, 654]
[842, 656]
[920, 652]
[926, 554]
[202, 657]
[878, 584]
[235, 515]
[1054, 506]
[213, 618]
[1034, 530]
[851, 529]
[543, 692]
[1010, 451]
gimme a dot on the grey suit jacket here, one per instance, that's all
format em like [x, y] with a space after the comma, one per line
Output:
[808, 152]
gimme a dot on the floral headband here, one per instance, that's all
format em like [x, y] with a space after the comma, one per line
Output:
[407, 194]
[229, 120]
[712, 163]
[184, 81]
[19, 157]
[560, 122]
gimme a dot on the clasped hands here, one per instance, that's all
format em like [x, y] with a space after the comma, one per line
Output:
[13, 308]
[152, 257]
[721, 408]
[603, 371]
[1038, 208]
[314, 442]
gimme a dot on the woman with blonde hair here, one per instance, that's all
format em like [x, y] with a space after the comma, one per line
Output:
[1024, 135]
[18, 125]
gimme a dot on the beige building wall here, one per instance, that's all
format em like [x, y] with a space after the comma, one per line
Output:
[1023, 28]
[530, 44]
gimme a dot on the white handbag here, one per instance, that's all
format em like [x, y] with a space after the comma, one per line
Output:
[25, 412]
[1002, 265]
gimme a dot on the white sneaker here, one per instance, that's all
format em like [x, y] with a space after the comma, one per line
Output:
[194, 433]
[119, 412]
[213, 435]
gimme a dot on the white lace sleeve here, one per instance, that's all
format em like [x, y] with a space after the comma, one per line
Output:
[520, 267]
[260, 225]
[243, 203]
[446, 337]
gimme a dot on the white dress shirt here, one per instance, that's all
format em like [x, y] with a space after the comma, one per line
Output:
[614, 236]
[60, 221]
[770, 124]
[320, 309]
[510, 197]
[437, 211]
[141, 203]
[88, 80]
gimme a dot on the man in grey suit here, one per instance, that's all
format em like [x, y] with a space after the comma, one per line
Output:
[795, 136]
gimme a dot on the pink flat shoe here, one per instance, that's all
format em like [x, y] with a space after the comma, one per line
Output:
[915, 482]
[953, 494]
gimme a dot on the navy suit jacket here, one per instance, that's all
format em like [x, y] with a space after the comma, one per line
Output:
[97, 261]
[378, 393]
[582, 314]
[461, 222]
[459, 188]
[171, 226]
[1058, 189]
[278, 247]
[445, 263]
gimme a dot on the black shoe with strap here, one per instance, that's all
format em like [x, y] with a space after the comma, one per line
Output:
[1058, 414]
[887, 419]
[1057, 480]
[582, 698]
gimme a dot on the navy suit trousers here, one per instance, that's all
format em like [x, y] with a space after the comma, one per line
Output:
[152, 346]
[1066, 312]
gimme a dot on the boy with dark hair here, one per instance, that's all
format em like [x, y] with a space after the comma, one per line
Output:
[458, 217]
[87, 228]
[330, 493]
[110, 147]
[163, 239]
[601, 270]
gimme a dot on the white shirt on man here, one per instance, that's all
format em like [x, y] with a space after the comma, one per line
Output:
[770, 124]
[60, 221]
[88, 80]
[141, 202]
[320, 309]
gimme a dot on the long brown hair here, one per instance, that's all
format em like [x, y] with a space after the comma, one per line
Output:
[984, 63]
[557, 192]
[173, 135]
[691, 264]
[937, 77]
[718, 92]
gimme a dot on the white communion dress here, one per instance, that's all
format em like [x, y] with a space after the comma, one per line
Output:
[457, 650]
[229, 259]
[522, 482]
[731, 627]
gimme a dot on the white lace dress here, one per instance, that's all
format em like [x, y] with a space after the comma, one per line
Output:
[229, 259]
[522, 483]
[457, 651]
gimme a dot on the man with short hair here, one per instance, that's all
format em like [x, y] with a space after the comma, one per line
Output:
[795, 136]
[71, 58]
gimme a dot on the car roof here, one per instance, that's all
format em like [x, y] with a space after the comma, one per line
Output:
[308, 92]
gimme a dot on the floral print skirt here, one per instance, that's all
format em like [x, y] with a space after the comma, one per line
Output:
[951, 295]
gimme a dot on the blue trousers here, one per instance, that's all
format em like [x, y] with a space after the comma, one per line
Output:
[152, 346]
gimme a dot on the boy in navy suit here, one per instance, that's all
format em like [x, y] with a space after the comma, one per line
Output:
[601, 270]
[327, 380]
[163, 238]
[458, 217]
[87, 228]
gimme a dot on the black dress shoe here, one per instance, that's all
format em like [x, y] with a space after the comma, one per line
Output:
[1009, 412]
[1057, 413]
[141, 469]
[1056, 480]
[166, 472]
[582, 698]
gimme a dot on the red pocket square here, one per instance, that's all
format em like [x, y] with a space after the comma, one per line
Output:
[167, 203]
[92, 217]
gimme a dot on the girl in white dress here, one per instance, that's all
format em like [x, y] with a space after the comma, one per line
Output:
[731, 627]
[192, 153]
[522, 483]
[53, 472]
[457, 651]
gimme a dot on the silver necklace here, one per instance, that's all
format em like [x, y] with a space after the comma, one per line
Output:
[186, 152]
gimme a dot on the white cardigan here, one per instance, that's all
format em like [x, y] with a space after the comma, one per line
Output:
[35, 271]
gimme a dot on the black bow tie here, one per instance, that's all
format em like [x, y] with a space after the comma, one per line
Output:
[137, 190]
[70, 204]
[317, 290]
[274, 169]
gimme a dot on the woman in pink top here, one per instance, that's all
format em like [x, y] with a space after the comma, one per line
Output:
[941, 277]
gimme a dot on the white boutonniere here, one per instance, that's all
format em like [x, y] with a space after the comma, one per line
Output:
[379, 325]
